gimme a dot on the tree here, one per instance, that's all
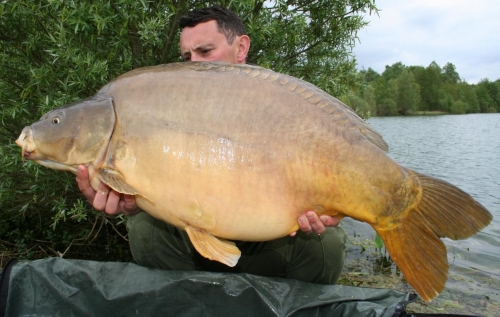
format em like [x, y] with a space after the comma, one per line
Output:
[296, 37]
[494, 90]
[449, 74]
[469, 97]
[395, 91]
[458, 107]
[53, 52]
[485, 97]
[359, 105]
[369, 98]
[385, 97]
[369, 75]
[408, 97]
[431, 87]
[393, 71]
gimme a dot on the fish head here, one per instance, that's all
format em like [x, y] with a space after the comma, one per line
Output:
[66, 137]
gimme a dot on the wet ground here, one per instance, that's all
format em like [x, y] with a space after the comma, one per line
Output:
[467, 291]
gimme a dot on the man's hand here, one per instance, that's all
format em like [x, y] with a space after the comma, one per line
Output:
[112, 202]
[310, 221]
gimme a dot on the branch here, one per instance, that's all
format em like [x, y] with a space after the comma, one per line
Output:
[99, 230]
[135, 45]
[180, 9]
[303, 51]
[116, 230]
[257, 8]
[93, 227]
[320, 26]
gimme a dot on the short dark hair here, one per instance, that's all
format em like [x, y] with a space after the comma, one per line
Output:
[228, 22]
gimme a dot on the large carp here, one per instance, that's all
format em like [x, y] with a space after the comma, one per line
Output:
[237, 152]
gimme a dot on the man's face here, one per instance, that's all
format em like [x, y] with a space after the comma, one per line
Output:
[204, 42]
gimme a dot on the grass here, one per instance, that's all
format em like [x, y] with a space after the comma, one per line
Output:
[427, 113]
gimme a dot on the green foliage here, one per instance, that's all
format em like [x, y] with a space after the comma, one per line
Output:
[431, 87]
[449, 74]
[393, 71]
[385, 97]
[488, 94]
[458, 107]
[309, 40]
[405, 90]
[408, 96]
[469, 96]
[54, 52]
[379, 243]
[369, 75]
[359, 105]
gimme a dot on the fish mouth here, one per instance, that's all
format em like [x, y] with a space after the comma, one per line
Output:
[29, 151]
[27, 144]
[57, 166]
[31, 155]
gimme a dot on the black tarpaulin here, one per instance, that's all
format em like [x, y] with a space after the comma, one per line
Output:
[60, 287]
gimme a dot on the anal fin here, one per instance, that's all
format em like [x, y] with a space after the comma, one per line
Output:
[212, 247]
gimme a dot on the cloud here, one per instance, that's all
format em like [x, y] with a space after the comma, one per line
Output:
[463, 32]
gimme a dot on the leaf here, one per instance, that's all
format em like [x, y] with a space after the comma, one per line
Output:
[379, 243]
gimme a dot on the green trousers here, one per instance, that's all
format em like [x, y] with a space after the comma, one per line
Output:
[306, 257]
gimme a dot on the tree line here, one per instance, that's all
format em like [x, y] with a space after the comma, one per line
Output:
[407, 90]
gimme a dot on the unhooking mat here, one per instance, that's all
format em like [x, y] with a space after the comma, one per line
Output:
[60, 287]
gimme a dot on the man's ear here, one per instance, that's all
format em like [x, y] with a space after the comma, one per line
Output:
[243, 47]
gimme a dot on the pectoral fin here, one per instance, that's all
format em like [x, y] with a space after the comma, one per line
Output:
[212, 247]
[116, 181]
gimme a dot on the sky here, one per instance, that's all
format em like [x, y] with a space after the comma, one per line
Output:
[465, 33]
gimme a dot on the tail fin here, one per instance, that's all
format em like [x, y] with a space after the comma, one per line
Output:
[415, 245]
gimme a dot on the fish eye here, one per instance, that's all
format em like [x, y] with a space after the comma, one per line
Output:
[56, 120]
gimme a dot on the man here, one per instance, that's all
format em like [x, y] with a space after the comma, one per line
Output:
[212, 34]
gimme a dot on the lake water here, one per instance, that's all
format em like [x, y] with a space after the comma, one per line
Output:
[465, 151]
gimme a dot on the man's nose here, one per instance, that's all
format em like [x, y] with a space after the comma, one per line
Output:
[197, 58]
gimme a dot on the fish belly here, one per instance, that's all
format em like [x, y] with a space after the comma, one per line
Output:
[244, 191]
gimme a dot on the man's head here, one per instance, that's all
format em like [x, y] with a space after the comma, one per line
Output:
[213, 33]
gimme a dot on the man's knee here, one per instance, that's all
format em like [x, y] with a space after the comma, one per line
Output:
[157, 244]
[319, 258]
[334, 241]
[140, 228]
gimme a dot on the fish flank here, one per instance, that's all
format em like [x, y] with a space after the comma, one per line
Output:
[307, 91]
